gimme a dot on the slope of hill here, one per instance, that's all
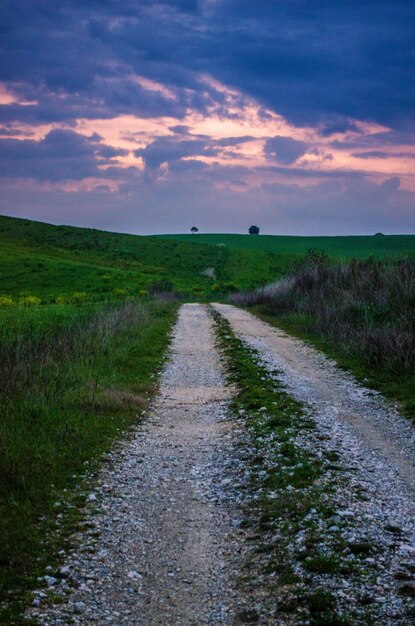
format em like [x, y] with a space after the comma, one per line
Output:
[340, 247]
[50, 261]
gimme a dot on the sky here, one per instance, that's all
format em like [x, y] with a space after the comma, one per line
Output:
[153, 117]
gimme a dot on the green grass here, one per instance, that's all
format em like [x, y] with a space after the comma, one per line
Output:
[335, 247]
[72, 380]
[51, 261]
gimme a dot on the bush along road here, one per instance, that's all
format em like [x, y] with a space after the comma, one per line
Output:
[265, 486]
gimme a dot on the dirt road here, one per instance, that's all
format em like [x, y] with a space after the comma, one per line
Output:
[166, 518]
[163, 544]
[315, 380]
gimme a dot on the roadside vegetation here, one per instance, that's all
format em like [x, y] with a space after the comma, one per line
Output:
[315, 564]
[73, 379]
[361, 312]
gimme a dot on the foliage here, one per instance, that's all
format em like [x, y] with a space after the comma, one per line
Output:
[160, 286]
[71, 380]
[79, 298]
[253, 230]
[29, 301]
[363, 310]
[6, 301]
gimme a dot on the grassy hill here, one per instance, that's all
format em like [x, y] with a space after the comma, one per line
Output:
[55, 261]
[339, 247]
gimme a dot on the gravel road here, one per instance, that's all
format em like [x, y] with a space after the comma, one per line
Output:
[376, 448]
[168, 539]
[163, 544]
[315, 380]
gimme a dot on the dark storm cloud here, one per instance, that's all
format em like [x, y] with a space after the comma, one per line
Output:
[285, 150]
[168, 149]
[172, 148]
[61, 155]
[312, 62]
[338, 126]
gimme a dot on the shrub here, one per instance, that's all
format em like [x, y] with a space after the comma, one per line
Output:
[60, 300]
[365, 306]
[121, 293]
[79, 298]
[29, 301]
[6, 301]
[143, 293]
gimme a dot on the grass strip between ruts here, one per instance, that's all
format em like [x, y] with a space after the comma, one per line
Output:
[291, 495]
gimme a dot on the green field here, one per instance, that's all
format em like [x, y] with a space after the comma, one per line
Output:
[55, 261]
[336, 247]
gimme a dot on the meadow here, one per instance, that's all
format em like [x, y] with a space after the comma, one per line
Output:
[53, 262]
[345, 247]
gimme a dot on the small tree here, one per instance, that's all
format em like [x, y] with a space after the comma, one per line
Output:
[253, 230]
[194, 230]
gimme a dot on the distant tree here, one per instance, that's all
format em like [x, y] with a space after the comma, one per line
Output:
[253, 230]
[379, 235]
[194, 230]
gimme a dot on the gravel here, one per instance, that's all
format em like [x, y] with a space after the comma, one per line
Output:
[162, 542]
[376, 450]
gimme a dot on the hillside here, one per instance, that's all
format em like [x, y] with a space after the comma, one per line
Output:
[340, 247]
[50, 261]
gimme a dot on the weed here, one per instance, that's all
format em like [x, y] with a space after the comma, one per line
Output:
[71, 381]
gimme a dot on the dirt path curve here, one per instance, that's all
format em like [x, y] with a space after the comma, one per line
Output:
[316, 380]
[165, 515]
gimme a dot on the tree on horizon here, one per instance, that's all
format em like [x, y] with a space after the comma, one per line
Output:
[194, 230]
[253, 230]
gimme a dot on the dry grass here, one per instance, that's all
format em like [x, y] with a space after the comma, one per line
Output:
[365, 306]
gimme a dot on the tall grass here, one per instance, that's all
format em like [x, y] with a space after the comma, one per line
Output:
[367, 307]
[71, 379]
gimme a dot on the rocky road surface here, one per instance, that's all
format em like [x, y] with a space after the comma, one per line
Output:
[168, 539]
[163, 545]
[376, 450]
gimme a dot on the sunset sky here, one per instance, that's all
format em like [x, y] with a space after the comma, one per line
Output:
[152, 117]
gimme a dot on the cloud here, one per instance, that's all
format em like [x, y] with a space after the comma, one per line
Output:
[298, 78]
[285, 150]
[172, 148]
[341, 206]
[61, 155]
[313, 63]
[338, 126]
[169, 149]
[382, 154]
